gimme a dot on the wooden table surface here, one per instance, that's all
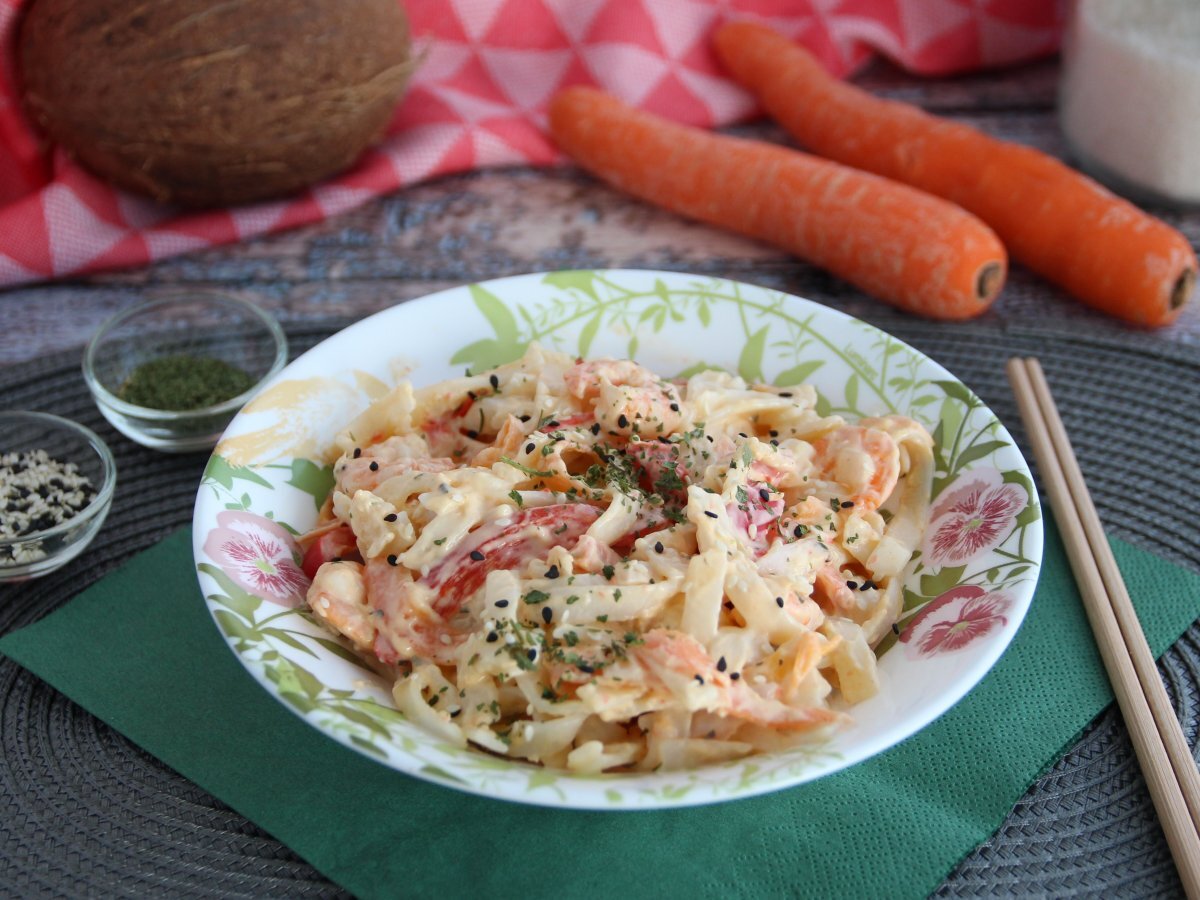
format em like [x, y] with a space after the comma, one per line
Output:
[503, 222]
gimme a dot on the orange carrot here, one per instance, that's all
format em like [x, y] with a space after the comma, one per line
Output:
[901, 245]
[1100, 248]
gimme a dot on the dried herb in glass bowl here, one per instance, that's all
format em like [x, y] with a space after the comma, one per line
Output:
[183, 382]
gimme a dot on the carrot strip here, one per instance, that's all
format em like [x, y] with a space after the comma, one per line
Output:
[1103, 250]
[903, 246]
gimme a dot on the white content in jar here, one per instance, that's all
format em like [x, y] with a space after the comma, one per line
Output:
[1130, 99]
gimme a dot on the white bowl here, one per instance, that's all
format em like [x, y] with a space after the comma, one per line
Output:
[967, 593]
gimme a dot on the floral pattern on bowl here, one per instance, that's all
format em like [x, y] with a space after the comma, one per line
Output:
[966, 591]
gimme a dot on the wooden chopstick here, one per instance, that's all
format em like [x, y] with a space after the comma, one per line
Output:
[1171, 773]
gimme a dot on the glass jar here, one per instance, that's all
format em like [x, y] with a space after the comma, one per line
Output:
[1129, 105]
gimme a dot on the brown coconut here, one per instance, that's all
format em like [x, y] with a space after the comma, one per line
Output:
[214, 102]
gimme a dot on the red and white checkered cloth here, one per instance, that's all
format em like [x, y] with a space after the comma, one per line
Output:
[488, 68]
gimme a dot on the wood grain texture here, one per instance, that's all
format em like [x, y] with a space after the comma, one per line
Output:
[504, 222]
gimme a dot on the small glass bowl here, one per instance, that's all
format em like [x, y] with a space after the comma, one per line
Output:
[44, 551]
[200, 324]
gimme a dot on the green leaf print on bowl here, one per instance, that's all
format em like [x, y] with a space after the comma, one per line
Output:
[772, 335]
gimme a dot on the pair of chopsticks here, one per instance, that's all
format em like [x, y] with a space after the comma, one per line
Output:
[1158, 740]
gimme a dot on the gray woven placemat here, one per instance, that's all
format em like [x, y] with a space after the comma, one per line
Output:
[85, 812]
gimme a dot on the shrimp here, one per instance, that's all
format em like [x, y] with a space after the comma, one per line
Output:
[872, 606]
[583, 379]
[407, 625]
[338, 596]
[628, 399]
[591, 555]
[507, 443]
[377, 463]
[833, 587]
[864, 462]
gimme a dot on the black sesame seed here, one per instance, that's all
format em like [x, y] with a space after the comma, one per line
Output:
[779, 602]
[532, 653]
[357, 452]
[492, 637]
[390, 517]
[392, 560]
[584, 667]
[698, 678]
[721, 664]
[547, 615]
[553, 423]
[869, 585]
[785, 393]
[530, 447]
[764, 494]
[552, 572]
[853, 585]
[524, 418]
[374, 466]
[895, 628]
[494, 382]
[477, 556]
[711, 514]
[846, 504]
[658, 546]
[622, 421]
[674, 407]
[742, 434]
[734, 676]
[502, 603]
[773, 433]
[596, 428]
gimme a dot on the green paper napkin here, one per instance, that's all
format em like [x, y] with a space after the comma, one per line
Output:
[139, 650]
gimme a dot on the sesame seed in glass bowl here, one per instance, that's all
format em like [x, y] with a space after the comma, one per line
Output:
[56, 485]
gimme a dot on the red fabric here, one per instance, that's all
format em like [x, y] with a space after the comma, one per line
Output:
[488, 67]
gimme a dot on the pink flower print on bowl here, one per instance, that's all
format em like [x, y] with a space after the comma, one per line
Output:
[259, 556]
[955, 619]
[974, 515]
